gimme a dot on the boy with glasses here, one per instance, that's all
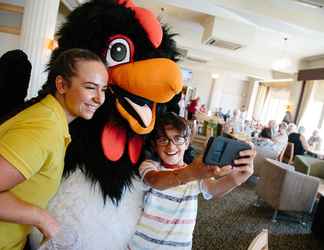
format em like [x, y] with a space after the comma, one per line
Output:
[170, 203]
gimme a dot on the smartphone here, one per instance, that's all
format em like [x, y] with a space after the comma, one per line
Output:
[223, 151]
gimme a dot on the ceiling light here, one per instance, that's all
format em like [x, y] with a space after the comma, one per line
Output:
[215, 76]
[283, 63]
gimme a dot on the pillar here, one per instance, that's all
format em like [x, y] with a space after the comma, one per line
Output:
[38, 27]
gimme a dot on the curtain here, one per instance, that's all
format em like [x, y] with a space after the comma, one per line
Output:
[306, 99]
[275, 105]
[260, 100]
[265, 108]
[319, 91]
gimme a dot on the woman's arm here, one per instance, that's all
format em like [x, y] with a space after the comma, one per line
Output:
[18, 211]
[197, 170]
[9, 175]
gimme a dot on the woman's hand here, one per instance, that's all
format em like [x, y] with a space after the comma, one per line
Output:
[245, 169]
[47, 225]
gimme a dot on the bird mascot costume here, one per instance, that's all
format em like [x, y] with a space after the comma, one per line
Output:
[100, 198]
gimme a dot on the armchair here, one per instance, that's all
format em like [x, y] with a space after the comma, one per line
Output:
[285, 189]
[309, 165]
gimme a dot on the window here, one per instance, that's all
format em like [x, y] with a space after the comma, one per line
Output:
[275, 105]
[313, 117]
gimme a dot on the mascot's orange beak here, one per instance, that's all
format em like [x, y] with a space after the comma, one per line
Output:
[156, 80]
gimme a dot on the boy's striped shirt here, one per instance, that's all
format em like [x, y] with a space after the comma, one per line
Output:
[169, 216]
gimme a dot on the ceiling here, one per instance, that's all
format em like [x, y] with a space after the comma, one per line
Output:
[260, 27]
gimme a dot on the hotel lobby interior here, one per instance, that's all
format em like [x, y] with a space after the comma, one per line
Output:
[261, 59]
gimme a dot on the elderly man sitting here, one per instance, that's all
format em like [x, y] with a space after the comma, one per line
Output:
[269, 147]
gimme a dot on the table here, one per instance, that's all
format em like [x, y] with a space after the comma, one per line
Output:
[239, 136]
[317, 153]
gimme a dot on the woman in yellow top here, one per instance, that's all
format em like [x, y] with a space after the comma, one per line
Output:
[34, 141]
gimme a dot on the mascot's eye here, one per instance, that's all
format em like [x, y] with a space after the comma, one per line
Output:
[119, 52]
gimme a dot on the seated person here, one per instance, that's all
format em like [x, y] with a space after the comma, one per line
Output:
[299, 141]
[291, 128]
[272, 124]
[219, 113]
[264, 137]
[235, 122]
[315, 141]
[248, 128]
[281, 139]
[265, 146]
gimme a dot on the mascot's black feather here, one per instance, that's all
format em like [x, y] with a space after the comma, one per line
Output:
[88, 27]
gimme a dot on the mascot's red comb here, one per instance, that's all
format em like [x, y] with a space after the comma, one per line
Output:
[148, 21]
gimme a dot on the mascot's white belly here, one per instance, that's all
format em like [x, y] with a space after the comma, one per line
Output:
[79, 208]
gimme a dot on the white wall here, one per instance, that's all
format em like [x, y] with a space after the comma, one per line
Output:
[201, 80]
[231, 89]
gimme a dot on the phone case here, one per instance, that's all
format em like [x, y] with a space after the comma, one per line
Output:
[223, 151]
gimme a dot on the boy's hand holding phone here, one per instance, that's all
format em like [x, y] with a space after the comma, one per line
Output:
[245, 166]
[224, 156]
[222, 151]
[200, 170]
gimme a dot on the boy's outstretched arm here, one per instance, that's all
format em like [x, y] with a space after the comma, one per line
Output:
[197, 170]
[219, 187]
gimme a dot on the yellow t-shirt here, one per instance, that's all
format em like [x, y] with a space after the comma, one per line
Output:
[34, 141]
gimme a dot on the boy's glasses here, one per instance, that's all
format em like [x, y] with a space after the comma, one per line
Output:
[177, 140]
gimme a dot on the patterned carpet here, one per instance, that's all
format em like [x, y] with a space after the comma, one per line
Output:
[232, 223]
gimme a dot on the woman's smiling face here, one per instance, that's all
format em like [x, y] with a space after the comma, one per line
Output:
[85, 91]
